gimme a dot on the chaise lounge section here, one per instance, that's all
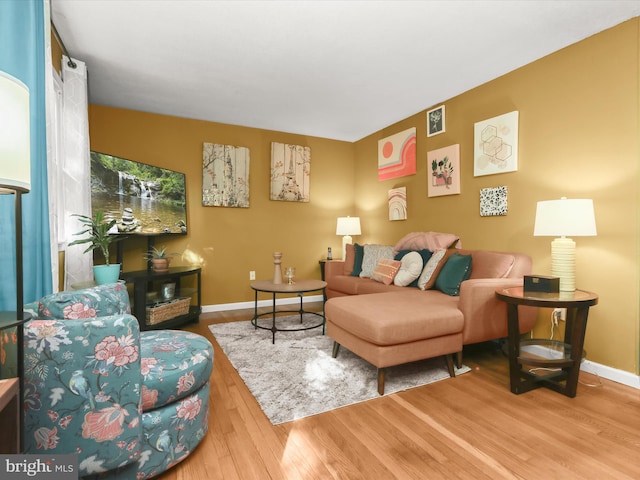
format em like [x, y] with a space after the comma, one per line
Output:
[388, 325]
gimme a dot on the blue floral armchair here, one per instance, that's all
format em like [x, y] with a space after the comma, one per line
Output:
[130, 404]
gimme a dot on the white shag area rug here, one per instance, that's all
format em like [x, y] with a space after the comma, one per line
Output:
[296, 377]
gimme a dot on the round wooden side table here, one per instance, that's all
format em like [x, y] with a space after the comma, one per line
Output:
[564, 367]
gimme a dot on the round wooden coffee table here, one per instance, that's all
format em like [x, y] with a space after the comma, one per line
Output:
[299, 287]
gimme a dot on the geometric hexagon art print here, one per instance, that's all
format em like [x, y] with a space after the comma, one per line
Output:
[496, 145]
[493, 201]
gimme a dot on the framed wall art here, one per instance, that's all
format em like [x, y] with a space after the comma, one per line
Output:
[493, 201]
[496, 145]
[290, 171]
[443, 170]
[397, 155]
[225, 176]
[398, 203]
[435, 121]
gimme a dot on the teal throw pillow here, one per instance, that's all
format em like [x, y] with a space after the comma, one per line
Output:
[453, 273]
[358, 255]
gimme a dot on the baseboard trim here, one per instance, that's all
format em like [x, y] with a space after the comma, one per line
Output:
[604, 371]
[261, 303]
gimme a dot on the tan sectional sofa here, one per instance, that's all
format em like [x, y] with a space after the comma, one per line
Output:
[389, 325]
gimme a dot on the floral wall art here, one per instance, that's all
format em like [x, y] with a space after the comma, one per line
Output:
[290, 170]
[443, 170]
[397, 155]
[225, 176]
[435, 121]
[496, 145]
[398, 203]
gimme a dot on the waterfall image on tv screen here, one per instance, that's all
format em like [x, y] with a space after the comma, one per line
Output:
[144, 200]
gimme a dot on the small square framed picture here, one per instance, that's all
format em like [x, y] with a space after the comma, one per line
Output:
[435, 121]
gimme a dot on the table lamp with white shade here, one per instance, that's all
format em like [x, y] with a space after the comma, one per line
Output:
[346, 227]
[564, 218]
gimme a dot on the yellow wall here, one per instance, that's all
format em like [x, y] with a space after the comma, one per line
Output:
[578, 137]
[229, 242]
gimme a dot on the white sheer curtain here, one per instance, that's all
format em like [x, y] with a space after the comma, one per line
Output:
[53, 94]
[76, 167]
[68, 164]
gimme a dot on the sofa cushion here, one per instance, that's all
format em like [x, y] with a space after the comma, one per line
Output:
[431, 270]
[456, 270]
[98, 301]
[349, 258]
[410, 269]
[174, 364]
[386, 270]
[372, 255]
[395, 318]
[358, 254]
[487, 264]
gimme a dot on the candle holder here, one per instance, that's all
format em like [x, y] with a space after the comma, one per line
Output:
[290, 274]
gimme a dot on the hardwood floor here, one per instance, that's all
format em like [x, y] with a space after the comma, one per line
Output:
[470, 427]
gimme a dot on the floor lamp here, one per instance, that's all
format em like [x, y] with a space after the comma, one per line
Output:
[15, 179]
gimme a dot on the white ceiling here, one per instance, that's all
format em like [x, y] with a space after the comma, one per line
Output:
[334, 69]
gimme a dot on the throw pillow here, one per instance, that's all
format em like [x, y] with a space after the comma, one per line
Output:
[349, 259]
[410, 269]
[456, 270]
[386, 270]
[430, 272]
[371, 257]
[358, 254]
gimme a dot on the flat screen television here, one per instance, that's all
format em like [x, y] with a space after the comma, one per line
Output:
[145, 200]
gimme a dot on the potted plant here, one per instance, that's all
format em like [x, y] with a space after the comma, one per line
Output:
[159, 258]
[98, 237]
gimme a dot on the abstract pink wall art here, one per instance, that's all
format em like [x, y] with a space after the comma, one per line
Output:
[397, 155]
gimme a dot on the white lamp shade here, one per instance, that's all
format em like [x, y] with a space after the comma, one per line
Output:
[565, 218]
[15, 148]
[348, 226]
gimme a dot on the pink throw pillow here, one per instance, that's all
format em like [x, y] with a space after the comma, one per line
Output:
[386, 270]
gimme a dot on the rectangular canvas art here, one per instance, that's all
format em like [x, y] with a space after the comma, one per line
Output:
[398, 203]
[496, 145]
[225, 176]
[435, 121]
[493, 201]
[397, 155]
[290, 170]
[443, 166]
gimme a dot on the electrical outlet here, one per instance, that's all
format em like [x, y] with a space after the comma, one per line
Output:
[252, 275]
[560, 314]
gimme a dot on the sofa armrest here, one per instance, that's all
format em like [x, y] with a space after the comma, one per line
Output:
[333, 268]
[485, 316]
[82, 386]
